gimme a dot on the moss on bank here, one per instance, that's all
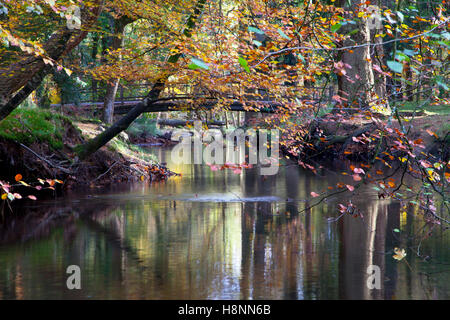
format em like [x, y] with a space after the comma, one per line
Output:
[29, 125]
[39, 143]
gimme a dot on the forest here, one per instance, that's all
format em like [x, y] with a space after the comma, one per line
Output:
[93, 92]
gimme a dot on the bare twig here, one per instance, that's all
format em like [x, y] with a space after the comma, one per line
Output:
[46, 160]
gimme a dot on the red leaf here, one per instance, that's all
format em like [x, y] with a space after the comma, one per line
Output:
[349, 187]
[314, 194]
[32, 197]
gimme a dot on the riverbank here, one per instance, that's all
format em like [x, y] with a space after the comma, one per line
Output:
[39, 144]
[362, 137]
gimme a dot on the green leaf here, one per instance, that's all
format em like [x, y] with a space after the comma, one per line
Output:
[284, 35]
[409, 52]
[396, 230]
[257, 43]
[302, 57]
[244, 64]
[395, 66]
[255, 30]
[197, 64]
[443, 85]
[11, 196]
[353, 32]
[336, 27]
[402, 57]
[445, 44]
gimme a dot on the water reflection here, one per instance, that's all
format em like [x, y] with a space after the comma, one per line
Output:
[161, 242]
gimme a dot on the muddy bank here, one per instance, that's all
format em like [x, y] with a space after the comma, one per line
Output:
[361, 138]
[53, 157]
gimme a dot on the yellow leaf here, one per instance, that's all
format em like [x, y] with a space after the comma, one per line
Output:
[4, 196]
[399, 254]
[68, 71]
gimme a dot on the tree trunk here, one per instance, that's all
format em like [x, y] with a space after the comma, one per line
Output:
[357, 85]
[111, 88]
[15, 89]
[378, 57]
[110, 98]
[94, 82]
[99, 141]
[409, 87]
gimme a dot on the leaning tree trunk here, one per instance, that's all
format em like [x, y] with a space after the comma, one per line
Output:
[357, 85]
[111, 88]
[30, 70]
[99, 141]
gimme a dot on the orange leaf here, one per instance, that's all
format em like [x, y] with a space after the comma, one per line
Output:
[18, 177]
[391, 184]
[431, 133]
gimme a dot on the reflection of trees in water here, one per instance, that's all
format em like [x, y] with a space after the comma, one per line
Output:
[168, 249]
[362, 244]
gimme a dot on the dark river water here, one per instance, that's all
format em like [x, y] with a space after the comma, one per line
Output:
[221, 235]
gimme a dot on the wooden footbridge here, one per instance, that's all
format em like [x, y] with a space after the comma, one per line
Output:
[184, 98]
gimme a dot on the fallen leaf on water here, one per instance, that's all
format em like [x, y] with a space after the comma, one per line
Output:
[314, 194]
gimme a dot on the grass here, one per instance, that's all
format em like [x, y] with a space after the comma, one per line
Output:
[443, 109]
[131, 150]
[27, 125]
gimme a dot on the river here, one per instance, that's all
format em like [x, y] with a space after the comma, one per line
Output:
[220, 235]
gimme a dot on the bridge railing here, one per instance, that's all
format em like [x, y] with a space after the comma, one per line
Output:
[128, 93]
